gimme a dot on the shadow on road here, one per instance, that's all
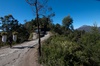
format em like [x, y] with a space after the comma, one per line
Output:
[22, 47]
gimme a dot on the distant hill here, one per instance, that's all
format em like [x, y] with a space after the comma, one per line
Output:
[86, 28]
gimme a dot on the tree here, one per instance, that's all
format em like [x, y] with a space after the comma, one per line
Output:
[23, 33]
[29, 26]
[58, 29]
[9, 23]
[38, 7]
[67, 22]
[45, 23]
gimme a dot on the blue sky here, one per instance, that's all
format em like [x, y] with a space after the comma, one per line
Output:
[83, 12]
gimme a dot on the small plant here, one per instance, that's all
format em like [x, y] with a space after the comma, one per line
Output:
[31, 36]
[3, 33]
[15, 33]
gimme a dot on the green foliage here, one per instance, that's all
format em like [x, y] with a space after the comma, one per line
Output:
[65, 29]
[57, 29]
[91, 45]
[44, 22]
[67, 22]
[3, 33]
[9, 23]
[15, 33]
[31, 36]
[76, 49]
[59, 52]
[75, 36]
[29, 26]
[23, 34]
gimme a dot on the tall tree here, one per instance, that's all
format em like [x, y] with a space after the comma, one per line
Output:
[67, 22]
[9, 23]
[38, 7]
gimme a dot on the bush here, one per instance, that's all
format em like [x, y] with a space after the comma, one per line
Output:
[15, 33]
[4, 33]
[57, 51]
[31, 36]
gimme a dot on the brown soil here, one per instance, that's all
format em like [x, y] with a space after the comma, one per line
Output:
[31, 58]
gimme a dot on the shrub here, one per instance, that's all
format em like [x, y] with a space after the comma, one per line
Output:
[4, 33]
[15, 33]
[31, 36]
[57, 51]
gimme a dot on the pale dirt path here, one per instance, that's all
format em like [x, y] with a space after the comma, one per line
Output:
[31, 58]
[21, 55]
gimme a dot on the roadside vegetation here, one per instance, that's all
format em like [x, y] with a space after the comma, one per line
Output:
[9, 24]
[68, 47]
[61, 50]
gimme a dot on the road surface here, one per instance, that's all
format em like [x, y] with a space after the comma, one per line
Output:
[18, 55]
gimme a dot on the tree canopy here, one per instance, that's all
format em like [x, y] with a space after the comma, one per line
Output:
[67, 22]
[8, 23]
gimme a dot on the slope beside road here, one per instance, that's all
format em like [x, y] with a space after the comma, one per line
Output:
[20, 55]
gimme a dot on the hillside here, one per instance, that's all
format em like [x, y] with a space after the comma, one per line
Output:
[87, 28]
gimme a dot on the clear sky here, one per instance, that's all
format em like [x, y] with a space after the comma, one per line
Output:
[83, 12]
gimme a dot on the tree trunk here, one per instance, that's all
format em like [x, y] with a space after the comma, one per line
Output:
[37, 16]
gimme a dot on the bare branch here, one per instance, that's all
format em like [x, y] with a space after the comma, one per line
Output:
[31, 2]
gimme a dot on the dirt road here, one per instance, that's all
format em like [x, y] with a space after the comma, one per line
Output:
[31, 58]
[24, 54]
